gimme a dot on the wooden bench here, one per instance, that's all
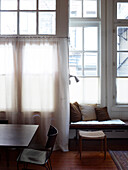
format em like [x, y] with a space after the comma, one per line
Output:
[104, 127]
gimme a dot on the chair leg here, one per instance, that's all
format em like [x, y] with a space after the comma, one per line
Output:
[17, 166]
[50, 164]
[46, 167]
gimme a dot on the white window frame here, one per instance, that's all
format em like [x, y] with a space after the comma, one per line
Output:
[112, 23]
[100, 22]
[61, 21]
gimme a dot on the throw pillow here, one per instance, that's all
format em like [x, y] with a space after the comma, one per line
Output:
[102, 114]
[88, 111]
[75, 114]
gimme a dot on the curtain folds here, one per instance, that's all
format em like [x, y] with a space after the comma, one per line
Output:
[34, 85]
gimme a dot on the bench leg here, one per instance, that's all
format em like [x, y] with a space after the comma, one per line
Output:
[102, 144]
[105, 147]
[80, 145]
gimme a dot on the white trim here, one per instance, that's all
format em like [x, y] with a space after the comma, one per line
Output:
[103, 54]
[109, 54]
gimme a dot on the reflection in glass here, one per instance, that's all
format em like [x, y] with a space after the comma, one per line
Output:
[75, 8]
[122, 64]
[27, 23]
[90, 64]
[75, 63]
[90, 8]
[122, 38]
[8, 23]
[75, 34]
[8, 4]
[122, 88]
[122, 10]
[91, 38]
[27, 4]
[47, 23]
[47, 4]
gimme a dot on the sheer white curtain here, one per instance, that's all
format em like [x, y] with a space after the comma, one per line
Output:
[36, 85]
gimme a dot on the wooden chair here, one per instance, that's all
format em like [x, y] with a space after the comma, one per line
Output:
[92, 135]
[39, 157]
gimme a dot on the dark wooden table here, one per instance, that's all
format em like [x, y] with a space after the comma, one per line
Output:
[16, 136]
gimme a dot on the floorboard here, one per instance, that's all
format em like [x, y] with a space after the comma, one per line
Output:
[93, 160]
[92, 157]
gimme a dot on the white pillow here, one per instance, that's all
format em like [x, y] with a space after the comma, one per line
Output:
[88, 111]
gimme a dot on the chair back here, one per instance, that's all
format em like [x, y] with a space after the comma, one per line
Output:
[52, 134]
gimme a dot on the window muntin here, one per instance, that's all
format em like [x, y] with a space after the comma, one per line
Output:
[25, 17]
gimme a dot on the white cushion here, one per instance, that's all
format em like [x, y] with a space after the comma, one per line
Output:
[88, 111]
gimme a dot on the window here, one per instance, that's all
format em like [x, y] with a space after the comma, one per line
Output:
[85, 50]
[23, 17]
[121, 53]
[27, 55]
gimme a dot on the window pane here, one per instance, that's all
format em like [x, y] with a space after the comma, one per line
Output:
[87, 90]
[6, 75]
[90, 8]
[122, 10]
[90, 64]
[75, 63]
[8, 4]
[8, 23]
[91, 38]
[47, 4]
[122, 64]
[122, 38]
[75, 8]
[27, 23]
[27, 4]
[47, 23]
[122, 88]
[37, 71]
[75, 34]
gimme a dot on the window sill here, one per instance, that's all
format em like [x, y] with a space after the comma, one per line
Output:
[118, 108]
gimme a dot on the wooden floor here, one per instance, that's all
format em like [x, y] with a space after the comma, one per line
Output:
[92, 158]
[68, 161]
